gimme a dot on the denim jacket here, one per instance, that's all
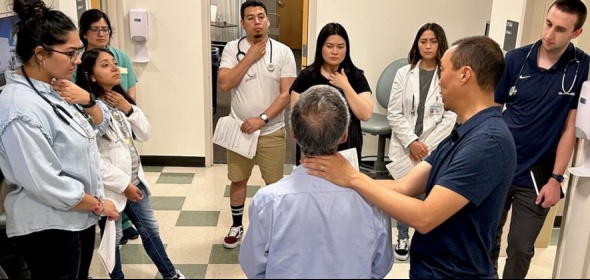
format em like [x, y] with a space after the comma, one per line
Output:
[49, 164]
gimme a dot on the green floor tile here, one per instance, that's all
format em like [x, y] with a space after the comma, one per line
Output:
[554, 237]
[190, 271]
[175, 178]
[288, 169]
[198, 218]
[221, 255]
[135, 254]
[252, 189]
[153, 168]
[167, 202]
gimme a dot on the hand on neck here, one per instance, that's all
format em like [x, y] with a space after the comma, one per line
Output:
[330, 68]
[254, 40]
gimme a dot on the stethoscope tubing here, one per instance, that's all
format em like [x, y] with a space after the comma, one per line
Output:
[270, 66]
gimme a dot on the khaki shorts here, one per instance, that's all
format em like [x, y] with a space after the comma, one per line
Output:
[270, 155]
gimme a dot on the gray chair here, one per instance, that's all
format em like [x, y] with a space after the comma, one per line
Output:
[378, 124]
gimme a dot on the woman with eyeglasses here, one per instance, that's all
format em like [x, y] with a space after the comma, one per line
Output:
[95, 32]
[122, 172]
[415, 112]
[48, 150]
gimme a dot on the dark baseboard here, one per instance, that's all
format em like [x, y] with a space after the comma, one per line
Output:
[557, 222]
[173, 161]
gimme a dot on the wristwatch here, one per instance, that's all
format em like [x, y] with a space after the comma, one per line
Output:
[264, 117]
[91, 103]
[557, 177]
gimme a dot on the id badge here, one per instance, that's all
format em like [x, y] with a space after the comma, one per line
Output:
[436, 109]
[83, 123]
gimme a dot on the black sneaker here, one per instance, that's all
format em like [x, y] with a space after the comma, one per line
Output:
[124, 240]
[131, 233]
[402, 248]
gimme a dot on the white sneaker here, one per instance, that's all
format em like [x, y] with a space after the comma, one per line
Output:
[233, 236]
[402, 249]
[178, 275]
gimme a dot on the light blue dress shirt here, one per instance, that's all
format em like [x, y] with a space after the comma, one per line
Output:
[50, 165]
[306, 227]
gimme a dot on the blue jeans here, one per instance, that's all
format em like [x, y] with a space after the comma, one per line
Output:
[142, 216]
[402, 229]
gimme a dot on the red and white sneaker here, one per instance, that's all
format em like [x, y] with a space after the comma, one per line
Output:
[233, 236]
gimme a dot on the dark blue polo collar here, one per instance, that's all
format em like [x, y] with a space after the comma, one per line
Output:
[566, 57]
[476, 120]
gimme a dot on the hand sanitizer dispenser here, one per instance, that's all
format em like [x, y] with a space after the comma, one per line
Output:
[583, 113]
[583, 129]
[139, 32]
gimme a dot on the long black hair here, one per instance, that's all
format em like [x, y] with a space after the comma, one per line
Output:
[414, 55]
[328, 30]
[86, 69]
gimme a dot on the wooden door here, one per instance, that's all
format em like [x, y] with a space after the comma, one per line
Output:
[304, 28]
[95, 4]
[291, 22]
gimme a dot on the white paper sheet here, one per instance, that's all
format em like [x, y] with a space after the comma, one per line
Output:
[352, 157]
[400, 166]
[106, 250]
[228, 135]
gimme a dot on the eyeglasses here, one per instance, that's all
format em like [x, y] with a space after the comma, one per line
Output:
[73, 54]
[96, 30]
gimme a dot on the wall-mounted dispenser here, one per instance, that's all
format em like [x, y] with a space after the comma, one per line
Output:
[139, 32]
[583, 128]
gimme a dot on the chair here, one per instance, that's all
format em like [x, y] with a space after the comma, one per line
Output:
[378, 124]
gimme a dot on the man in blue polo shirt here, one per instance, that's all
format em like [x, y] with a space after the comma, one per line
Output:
[540, 88]
[465, 179]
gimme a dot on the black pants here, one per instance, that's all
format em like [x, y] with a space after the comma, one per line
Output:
[525, 225]
[60, 254]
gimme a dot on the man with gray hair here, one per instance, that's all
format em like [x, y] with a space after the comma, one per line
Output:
[306, 227]
[465, 179]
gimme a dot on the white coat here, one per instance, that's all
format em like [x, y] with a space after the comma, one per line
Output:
[115, 155]
[405, 91]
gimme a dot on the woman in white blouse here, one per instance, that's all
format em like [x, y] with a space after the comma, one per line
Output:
[121, 169]
[416, 113]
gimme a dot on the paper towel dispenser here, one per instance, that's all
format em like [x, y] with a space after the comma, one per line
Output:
[138, 25]
[139, 32]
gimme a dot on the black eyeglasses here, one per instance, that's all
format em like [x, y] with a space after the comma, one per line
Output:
[96, 30]
[73, 54]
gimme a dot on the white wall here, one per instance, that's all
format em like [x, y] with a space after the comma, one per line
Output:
[382, 31]
[174, 87]
[503, 10]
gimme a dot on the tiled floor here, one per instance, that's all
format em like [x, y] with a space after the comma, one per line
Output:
[192, 208]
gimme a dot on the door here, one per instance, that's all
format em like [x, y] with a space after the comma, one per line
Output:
[304, 28]
[291, 22]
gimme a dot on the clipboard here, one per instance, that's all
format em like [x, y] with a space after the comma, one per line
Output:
[540, 174]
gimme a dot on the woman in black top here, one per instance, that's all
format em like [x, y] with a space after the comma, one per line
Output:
[332, 66]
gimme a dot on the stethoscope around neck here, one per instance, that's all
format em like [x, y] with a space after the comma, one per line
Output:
[59, 110]
[270, 66]
[513, 90]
